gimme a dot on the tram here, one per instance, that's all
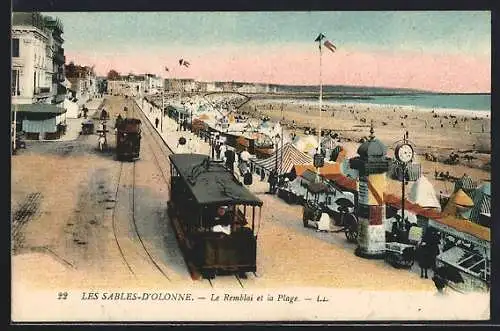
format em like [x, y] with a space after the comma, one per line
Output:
[128, 139]
[215, 217]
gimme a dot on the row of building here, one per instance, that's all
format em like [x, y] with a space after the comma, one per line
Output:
[43, 87]
[152, 84]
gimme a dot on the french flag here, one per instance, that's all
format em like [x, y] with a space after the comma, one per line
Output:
[330, 46]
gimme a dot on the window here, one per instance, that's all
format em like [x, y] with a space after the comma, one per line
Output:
[15, 83]
[15, 47]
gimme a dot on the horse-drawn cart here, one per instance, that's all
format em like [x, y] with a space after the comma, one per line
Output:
[87, 127]
[400, 255]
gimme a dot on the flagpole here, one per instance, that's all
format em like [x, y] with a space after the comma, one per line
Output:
[320, 104]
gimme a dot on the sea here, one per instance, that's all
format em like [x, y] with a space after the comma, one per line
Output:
[473, 102]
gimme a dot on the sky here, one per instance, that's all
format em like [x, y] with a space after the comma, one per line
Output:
[447, 51]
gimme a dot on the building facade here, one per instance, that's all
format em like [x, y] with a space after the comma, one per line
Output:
[32, 66]
[37, 75]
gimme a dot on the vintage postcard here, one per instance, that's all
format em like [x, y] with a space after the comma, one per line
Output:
[251, 166]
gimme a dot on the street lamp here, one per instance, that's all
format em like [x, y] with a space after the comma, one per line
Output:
[404, 153]
[276, 139]
[179, 117]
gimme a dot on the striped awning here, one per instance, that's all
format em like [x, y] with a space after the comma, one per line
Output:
[39, 108]
[287, 157]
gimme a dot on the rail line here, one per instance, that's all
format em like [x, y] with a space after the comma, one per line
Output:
[113, 224]
[157, 266]
[212, 281]
[121, 249]
[166, 150]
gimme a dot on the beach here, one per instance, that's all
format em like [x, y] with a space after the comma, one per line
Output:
[464, 132]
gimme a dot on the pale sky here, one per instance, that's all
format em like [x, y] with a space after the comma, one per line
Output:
[447, 51]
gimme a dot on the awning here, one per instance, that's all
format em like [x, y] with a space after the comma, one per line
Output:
[38, 108]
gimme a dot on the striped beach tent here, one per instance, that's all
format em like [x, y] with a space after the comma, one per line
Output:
[413, 171]
[287, 157]
[328, 143]
[482, 202]
[465, 183]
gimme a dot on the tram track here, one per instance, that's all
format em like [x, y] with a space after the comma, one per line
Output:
[161, 148]
[126, 183]
[223, 279]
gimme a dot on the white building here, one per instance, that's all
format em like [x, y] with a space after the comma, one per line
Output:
[152, 84]
[37, 58]
[31, 60]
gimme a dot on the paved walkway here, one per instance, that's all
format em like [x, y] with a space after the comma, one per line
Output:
[195, 144]
[170, 134]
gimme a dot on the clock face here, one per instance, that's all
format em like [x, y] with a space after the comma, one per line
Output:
[405, 153]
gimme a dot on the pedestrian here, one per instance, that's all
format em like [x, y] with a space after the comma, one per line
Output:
[422, 257]
[229, 159]
[272, 181]
[222, 151]
[157, 121]
[262, 175]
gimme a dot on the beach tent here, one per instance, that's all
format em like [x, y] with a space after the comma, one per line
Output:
[482, 202]
[291, 156]
[465, 183]
[458, 205]
[413, 171]
[337, 154]
[307, 144]
[423, 194]
[327, 171]
[329, 143]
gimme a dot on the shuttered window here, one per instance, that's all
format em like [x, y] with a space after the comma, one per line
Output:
[15, 47]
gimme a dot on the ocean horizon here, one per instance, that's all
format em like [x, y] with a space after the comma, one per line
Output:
[472, 102]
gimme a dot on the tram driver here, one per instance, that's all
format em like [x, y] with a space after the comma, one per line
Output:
[223, 219]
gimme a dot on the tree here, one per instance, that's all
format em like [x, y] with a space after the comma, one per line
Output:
[113, 75]
[70, 70]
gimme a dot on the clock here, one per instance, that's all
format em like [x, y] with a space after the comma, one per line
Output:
[404, 153]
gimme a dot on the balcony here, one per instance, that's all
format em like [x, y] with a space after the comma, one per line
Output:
[42, 92]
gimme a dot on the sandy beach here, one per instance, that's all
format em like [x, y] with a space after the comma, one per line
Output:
[436, 131]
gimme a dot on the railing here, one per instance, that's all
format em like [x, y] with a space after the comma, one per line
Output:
[40, 90]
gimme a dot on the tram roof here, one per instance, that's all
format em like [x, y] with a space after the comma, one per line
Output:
[210, 182]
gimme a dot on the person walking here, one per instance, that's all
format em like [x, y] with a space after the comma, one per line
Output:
[273, 178]
[222, 151]
[262, 175]
[157, 121]
[229, 158]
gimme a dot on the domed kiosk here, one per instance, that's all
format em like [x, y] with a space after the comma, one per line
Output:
[372, 165]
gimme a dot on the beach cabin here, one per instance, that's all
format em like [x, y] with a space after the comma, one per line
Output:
[481, 211]
[466, 249]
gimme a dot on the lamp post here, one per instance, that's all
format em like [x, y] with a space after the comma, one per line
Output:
[180, 117]
[162, 105]
[276, 140]
[191, 118]
[318, 158]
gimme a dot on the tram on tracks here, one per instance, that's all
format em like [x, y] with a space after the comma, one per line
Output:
[128, 139]
[215, 217]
